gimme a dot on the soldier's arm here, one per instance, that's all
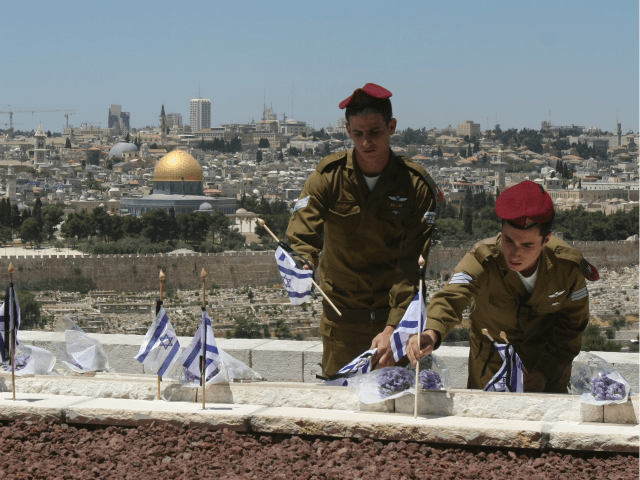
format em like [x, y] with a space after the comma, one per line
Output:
[307, 221]
[568, 323]
[444, 311]
[416, 243]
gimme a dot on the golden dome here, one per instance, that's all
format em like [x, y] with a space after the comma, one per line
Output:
[178, 166]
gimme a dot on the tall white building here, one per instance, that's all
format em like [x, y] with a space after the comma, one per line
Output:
[200, 114]
[40, 147]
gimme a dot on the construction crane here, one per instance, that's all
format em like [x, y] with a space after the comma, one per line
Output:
[11, 112]
[66, 115]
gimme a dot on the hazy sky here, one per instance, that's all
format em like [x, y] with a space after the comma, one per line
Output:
[445, 62]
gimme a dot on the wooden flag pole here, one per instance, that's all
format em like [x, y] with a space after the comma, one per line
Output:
[485, 332]
[12, 335]
[313, 282]
[203, 274]
[421, 262]
[162, 277]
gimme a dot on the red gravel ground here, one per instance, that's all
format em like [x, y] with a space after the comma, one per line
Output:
[50, 450]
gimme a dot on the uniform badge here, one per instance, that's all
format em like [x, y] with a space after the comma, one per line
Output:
[303, 202]
[556, 295]
[555, 304]
[589, 271]
[430, 218]
[461, 278]
[397, 199]
[579, 294]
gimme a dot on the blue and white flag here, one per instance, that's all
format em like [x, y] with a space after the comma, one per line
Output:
[360, 364]
[6, 322]
[509, 377]
[160, 348]
[296, 280]
[413, 322]
[190, 358]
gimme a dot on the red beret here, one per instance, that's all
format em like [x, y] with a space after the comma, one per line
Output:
[372, 94]
[525, 204]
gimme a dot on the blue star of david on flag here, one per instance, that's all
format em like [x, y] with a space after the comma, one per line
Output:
[190, 358]
[296, 280]
[166, 341]
[160, 348]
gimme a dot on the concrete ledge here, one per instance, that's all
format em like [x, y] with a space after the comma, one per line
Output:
[333, 423]
[459, 403]
[287, 360]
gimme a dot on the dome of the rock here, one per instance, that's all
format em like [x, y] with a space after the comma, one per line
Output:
[178, 166]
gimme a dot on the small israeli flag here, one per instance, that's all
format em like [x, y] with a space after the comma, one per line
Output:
[509, 377]
[160, 348]
[9, 319]
[296, 280]
[360, 364]
[190, 358]
[414, 321]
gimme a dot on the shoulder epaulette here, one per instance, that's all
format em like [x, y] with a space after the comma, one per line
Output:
[564, 251]
[416, 168]
[329, 159]
[485, 248]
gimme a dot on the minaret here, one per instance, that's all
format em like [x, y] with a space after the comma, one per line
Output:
[162, 123]
[40, 148]
[619, 135]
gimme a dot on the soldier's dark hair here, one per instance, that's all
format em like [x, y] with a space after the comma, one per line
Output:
[545, 228]
[382, 106]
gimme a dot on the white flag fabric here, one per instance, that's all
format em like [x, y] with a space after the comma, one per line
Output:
[360, 364]
[297, 281]
[190, 358]
[4, 342]
[160, 348]
[414, 321]
[509, 377]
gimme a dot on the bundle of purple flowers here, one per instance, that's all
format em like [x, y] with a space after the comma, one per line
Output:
[393, 380]
[430, 380]
[604, 388]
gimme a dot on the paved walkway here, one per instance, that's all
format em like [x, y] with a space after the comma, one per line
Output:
[34, 252]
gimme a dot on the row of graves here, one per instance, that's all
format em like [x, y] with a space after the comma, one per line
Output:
[202, 363]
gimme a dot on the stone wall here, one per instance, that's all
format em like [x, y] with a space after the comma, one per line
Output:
[230, 269]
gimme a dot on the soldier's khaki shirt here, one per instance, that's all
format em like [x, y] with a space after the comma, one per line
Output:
[371, 240]
[546, 325]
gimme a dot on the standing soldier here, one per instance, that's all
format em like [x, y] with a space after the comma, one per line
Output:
[525, 282]
[371, 214]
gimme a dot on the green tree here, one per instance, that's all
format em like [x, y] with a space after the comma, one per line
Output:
[67, 143]
[282, 330]
[29, 309]
[29, 232]
[264, 143]
[259, 156]
[155, 225]
[247, 328]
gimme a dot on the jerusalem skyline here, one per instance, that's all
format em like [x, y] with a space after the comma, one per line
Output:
[445, 63]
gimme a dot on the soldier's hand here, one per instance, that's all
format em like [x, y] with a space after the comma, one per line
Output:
[384, 355]
[427, 339]
[534, 381]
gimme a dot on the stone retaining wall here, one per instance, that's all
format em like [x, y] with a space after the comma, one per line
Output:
[229, 269]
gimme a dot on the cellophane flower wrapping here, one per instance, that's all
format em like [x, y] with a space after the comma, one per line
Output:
[392, 382]
[597, 381]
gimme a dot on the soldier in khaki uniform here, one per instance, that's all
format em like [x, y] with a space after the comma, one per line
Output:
[371, 213]
[525, 282]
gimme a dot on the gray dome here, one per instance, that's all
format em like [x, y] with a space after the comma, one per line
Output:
[205, 206]
[121, 147]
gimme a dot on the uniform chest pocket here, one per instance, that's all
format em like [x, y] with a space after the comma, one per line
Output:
[345, 209]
